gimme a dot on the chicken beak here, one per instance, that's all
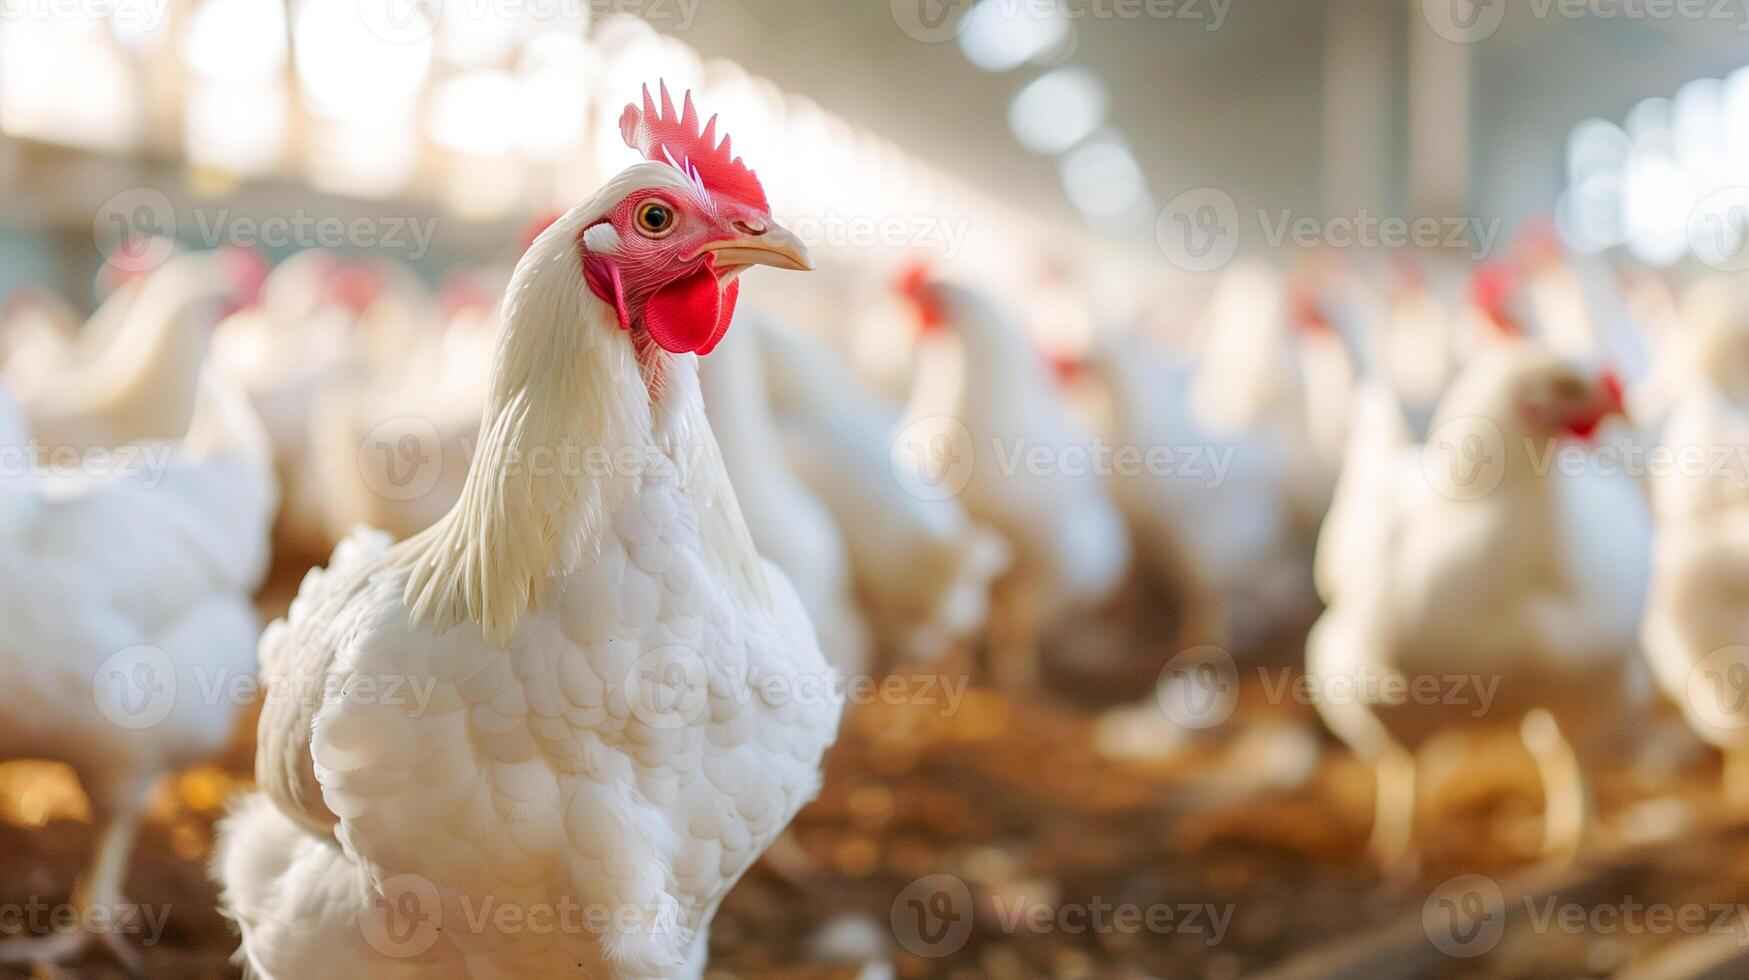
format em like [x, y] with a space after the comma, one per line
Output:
[772, 245]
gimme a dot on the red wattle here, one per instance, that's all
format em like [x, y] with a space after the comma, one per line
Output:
[730, 294]
[684, 316]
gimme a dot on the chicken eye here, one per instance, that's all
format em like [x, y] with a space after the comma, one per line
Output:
[655, 218]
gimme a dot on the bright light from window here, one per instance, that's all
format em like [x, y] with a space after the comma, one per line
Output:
[236, 39]
[1000, 35]
[352, 73]
[1102, 178]
[1057, 110]
[469, 115]
[1656, 201]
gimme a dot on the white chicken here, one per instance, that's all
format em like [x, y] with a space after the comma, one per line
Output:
[1480, 564]
[922, 568]
[985, 425]
[141, 384]
[126, 601]
[390, 444]
[790, 525]
[623, 704]
[1697, 619]
[307, 334]
[1211, 509]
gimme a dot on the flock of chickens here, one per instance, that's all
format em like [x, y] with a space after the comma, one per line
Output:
[561, 650]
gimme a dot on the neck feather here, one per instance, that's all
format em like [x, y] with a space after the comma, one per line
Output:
[568, 403]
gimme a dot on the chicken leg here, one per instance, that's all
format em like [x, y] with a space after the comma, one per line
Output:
[1393, 825]
[1566, 800]
[118, 814]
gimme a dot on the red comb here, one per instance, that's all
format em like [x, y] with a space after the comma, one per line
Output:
[1612, 386]
[1308, 315]
[677, 141]
[913, 284]
[1491, 288]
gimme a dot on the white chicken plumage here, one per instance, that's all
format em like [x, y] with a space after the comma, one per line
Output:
[127, 605]
[789, 523]
[1696, 629]
[983, 412]
[1480, 558]
[552, 615]
[923, 568]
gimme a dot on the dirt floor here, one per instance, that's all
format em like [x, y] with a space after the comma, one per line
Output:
[1050, 838]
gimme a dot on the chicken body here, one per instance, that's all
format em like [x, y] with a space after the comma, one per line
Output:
[922, 568]
[789, 523]
[126, 601]
[609, 704]
[985, 425]
[1472, 564]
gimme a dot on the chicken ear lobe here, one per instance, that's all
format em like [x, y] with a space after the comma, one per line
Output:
[603, 279]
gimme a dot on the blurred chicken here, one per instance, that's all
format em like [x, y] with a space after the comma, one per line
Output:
[790, 525]
[38, 333]
[322, 319]
[141, 385]
[1214, 522]
[922, 568]
[391, 443]
[1478, 559]
[126, 600]
[985, 425]
[1697, 619]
